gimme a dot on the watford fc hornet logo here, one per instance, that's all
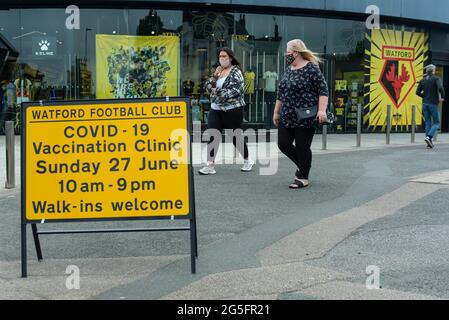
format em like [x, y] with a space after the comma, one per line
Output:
[396, 82]
[398, 77]
[394, 63]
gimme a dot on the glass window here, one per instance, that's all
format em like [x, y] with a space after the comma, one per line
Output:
[257, 43]
[129, 53]
[202, 33]
[85, 62]
[138, 56]
[311, 30]
[9, 51]
[46, 50]
[345, 71]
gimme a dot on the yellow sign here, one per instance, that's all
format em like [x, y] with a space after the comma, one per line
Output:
[397, 60]
[136, 66]
[341, 85]
[240, 37]
[107, 160]
[398, 53]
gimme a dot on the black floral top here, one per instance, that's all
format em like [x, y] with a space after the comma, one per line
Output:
[300, 88]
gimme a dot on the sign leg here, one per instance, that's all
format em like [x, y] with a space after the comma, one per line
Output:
[193, 208]
[37, 242]
[196, 236]
[24, 250]
[194, 220]
[192, 245]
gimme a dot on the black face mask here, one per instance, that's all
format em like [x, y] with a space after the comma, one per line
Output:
[289, 59]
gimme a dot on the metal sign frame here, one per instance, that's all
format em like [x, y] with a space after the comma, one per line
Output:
[191, 216]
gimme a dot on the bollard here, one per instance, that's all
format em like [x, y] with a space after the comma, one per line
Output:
[388, 123]
[324, 137]
[10, 152]
[359, 125]
[413, 123]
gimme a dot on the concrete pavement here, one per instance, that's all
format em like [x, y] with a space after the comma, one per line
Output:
[265, 151]
[385, 206]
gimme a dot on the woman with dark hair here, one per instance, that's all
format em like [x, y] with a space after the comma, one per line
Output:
[226, 89]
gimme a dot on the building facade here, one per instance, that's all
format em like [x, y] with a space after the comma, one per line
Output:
[131, 49]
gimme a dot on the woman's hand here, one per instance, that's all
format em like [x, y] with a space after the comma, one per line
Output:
[276, 118]
[322, 117]
[218, 72]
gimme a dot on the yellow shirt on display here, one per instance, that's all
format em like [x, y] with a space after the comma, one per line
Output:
[249, 77]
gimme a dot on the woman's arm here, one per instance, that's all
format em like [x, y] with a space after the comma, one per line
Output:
[277, 112]
[322, 103]
[278, 105]
[322, 106]
[323, 93]
[210, 84]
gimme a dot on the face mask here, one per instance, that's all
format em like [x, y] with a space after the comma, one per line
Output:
[289, 59]
[224, 62]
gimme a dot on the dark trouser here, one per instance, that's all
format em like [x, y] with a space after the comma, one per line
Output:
[299, 153]
[231, 119]
[431, 118]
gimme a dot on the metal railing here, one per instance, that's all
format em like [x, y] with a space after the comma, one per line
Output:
[387, 125]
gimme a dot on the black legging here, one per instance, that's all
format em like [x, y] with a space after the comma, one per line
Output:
[219, 120]
[299, 153]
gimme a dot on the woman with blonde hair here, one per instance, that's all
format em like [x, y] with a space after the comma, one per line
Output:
[301, 105]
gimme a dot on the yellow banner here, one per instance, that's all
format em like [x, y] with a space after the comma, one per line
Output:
[397, 60]
[107, 160]
[136, 66]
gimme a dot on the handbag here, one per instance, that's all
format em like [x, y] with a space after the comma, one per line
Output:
[306, 113]
[311, 113]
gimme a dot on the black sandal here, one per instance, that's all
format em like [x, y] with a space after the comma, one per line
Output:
[298, 184]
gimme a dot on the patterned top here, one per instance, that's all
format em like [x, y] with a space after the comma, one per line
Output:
[300, 88]
[232, 91]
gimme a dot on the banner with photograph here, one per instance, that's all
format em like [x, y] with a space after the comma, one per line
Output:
[136, 66]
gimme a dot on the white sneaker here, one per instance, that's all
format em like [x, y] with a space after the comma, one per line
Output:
[207, 170]
[247, 165]
[429, 142]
